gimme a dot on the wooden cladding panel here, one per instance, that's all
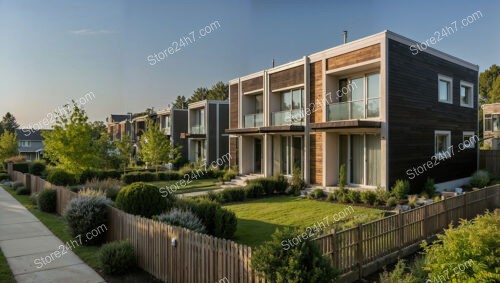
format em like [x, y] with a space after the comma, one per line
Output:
[316, 173]
[316, 92]
[354, 57]
[287, 78]
[252, 84]
[233, 151]
[233, 106]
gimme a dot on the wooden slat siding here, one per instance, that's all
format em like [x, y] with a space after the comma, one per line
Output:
[287, 78]
[252, 84]
[233, 151]
[414, 113]
[316, 93]
[233, 106]
[316, 168]
[354, 57]
[490, 160]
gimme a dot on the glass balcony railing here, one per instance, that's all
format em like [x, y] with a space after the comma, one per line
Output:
[254, 120]
[288, 117]
[167, 130]
[353, 110]
[198, 130]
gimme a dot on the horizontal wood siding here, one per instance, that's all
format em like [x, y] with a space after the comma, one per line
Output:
[316, 95]
[287, 78]
[233, 106]
[316, 173]
[415, 113]
[252, 84]
[354, 57]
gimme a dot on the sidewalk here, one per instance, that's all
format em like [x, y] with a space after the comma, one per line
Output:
[24, 239]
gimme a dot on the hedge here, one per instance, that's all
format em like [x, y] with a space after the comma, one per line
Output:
[22, 167]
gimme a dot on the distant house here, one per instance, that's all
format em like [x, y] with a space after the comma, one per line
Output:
[30, 143]
[491, 127]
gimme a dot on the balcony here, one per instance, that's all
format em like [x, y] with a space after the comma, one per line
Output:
[288, 117]
[166, 130]
[254, 120]
[353, 110]
[197, 130]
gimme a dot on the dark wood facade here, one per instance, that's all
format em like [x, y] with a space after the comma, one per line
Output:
[414, 114]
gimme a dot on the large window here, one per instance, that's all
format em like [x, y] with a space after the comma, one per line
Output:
[445, 85]
[466, 94]
[291, 154]
[487, 122]
[25, 143]
[291, 108]
[491, 122]
[356, 98]
[361, 155]
[442, 143]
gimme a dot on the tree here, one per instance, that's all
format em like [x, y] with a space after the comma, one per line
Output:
[487, 81]
[199, 94]
[75, 144]
[8, 145]
[220, 91]
[180, 103]
[156, 147]
[124, 148]
[9, 123]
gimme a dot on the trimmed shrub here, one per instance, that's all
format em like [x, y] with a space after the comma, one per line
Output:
[85, 214]
[22, 167]
[22, 190]
[47, 201]
[317, 193]
[225, 223]
[354, 196]
[281, 184]
[4, 176]
[134, 177]
[182, 218]
[276, 184]
[233, 194]
[382, 195]
[34, 199]
[254, 190]
[89, 174]
[297, 183]
[144, 199]
[117, 258]
[368, 197]
[59, 177]
[36, 168]
[429, 187]
[88, 192]
[229, 175]
[302, 262]
[213, 196]
[392, 201]
[168, 176]
[480, 179]
[401, 189]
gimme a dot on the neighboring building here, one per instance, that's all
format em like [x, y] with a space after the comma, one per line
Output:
[369, 104]
[118, 126]
[30, 143]
[175, 122]
[207, 120]
[491, 125]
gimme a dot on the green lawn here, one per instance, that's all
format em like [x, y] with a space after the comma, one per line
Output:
[198, 185]
[5, 272]
[258, 219]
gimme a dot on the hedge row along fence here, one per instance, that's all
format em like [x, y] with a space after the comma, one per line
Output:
[175, 254]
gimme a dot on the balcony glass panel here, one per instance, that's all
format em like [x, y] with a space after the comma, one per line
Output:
[288, 117]
[197, 130]
[338, 111]
[373, 108]
[253, 120]
[358, 109]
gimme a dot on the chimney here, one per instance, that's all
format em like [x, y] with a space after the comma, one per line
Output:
[345, 36]
[273, 63]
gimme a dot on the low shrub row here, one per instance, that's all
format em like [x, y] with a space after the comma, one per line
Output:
[4, 176]
[22, 167]
[88, 175]
[185, 173]
[37, 168]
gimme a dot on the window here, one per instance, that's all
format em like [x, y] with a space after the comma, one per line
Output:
[469, 140]
[442, 142]
[291, 108]
[445, 86]
[25, 143]
[466, 94]
[487, 122]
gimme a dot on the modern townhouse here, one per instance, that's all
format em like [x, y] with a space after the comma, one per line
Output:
[118, 126]
[207, 120]
[369, 104]
[30, 143]
[491, 126]
[174, 122]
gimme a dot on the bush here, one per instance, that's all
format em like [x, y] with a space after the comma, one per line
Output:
[412, 201]
[318, 193]
[254, 190]
[298, 183]
[34, 199]
[480, 179]
[16, 185]
[85, 214]
[330, 197]
[144, 199]
[182, 218]
[47, 201]
[22, 190]
[405, 274]
[342, 176]
[382, 195]
[88, 175]
[429, 187]
[368, 197]
[134, 177]
[225, 223]
[280, 184]
[401, 189]
[109, 186]
[15, 159]
[36, 168]
[117, 258]
[229, 175]
[267, 186]
[22, 167]
[341, 195]
[302, 262]
[168, 176]
[233, 194]
[59, 177]
[213, 196]
[4, 176]
[354, 196]
[88, 192]
[392, 201]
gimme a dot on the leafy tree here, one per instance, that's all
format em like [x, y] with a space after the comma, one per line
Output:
[220, 91]
[124, 148]
[487, 81]
[156, 147]
[180, 103]
[75, 144]
[8, 145]
[199, 94]
[8, 123]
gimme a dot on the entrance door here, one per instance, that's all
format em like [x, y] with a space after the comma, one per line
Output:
[257, 156]
[291, 154]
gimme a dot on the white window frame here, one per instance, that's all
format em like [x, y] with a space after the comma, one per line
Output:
[450, 89]
[445, 154]
[25, 143]
[471, 94]
[469, 134]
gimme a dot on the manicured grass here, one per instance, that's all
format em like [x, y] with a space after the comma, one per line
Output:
[258, 219]
[198, 185]
[5, 272]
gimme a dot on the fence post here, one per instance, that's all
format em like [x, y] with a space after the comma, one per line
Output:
[401, 230]
[424, 223]
[10, 169]
[465, 206]
[360, 250]
[334, 247]
[27, 181]
[446, 213]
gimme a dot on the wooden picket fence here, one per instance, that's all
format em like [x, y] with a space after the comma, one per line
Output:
[175, 254]
[490, 160]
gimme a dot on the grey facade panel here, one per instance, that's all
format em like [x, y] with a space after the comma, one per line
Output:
[179, 125]
[212, 132]
[223, 125]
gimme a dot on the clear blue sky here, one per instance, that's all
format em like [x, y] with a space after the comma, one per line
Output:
[55, 51]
